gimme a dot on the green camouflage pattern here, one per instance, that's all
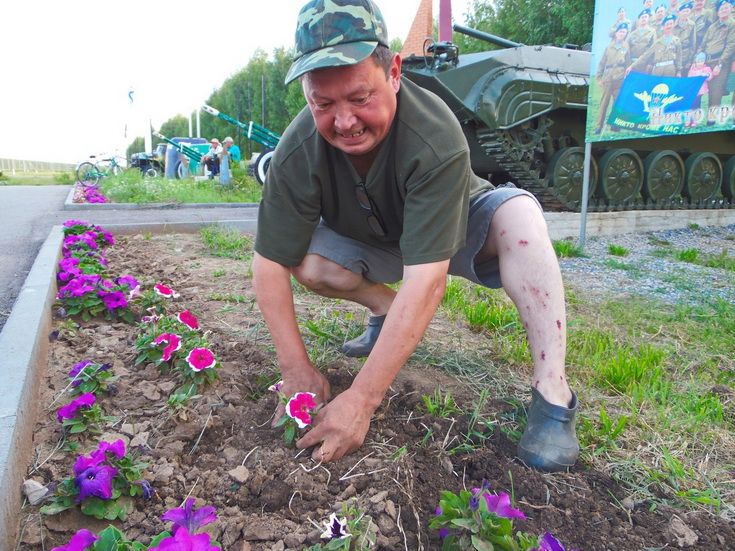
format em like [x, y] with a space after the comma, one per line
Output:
[331, 33]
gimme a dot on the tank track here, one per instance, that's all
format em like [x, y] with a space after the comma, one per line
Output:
[522, 165]
[518, 162]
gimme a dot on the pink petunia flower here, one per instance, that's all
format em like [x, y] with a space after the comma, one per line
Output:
[300, 407]
[188, 319]
[164, 291]
[200, 359]
[172, 341]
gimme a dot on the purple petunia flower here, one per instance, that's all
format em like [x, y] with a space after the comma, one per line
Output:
[117, 448]
[335, 528]
[189, 519]
[147, 489]
[127, 281]
[443, 532]
[76, 370]
[69, 411]
[81, 541]
[182, 540]
[548, 543]
[113, 300]
[95, 481]
[499, 504]
[71, 223]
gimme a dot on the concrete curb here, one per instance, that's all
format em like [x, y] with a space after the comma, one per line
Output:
[69, 204]
[23, 349]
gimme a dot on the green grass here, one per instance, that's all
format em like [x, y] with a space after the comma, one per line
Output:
[227, 243]
[617, 265]
[37, 179]
[131, 187]
[617, 250]
[567, 249]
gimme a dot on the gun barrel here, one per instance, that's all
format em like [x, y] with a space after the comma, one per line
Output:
[487, 37]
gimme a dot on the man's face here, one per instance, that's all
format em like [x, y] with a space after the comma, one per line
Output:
[724, 12]
[669, 26]
[353, 106]
[620, 35]
[643, 20]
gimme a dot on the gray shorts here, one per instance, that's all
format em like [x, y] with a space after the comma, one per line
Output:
[384, 264]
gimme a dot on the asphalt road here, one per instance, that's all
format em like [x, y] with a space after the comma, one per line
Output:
[27, 214]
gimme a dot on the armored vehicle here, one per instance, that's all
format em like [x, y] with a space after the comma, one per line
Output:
[523, 111]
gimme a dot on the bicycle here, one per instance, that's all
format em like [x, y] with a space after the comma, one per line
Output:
[89, 172]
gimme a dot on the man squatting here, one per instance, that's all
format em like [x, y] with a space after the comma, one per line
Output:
[371, 184]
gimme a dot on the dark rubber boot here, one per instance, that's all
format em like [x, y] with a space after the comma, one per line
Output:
[550, 441]
[361, 346]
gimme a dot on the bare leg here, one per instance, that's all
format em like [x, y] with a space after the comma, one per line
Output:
[329, 279]
[531, 276]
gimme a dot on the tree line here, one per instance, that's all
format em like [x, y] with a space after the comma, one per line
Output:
[257, 93]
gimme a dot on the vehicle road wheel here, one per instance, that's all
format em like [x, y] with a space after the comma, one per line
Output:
[181, 171]
[87, 172]
[621, 175]
[728, 180]
[150, 173]
[261, 165]
[664, 175]
[703, 176]
[566, 175]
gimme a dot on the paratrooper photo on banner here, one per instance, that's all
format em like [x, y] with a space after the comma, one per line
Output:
[661, 68]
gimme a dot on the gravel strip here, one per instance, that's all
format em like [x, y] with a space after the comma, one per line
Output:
[651, 270]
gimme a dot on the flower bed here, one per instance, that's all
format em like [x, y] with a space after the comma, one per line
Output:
[211, 439]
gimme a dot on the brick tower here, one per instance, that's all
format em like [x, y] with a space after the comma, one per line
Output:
[421, 29]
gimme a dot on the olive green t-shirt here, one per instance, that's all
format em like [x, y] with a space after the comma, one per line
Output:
[420, 185]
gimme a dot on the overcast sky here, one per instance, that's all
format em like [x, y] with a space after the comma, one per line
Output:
[66, 67]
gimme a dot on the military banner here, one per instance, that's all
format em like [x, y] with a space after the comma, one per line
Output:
[661, 69]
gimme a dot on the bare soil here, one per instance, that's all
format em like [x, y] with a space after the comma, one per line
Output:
[222, 450]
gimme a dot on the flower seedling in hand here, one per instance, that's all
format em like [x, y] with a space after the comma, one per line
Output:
[299, 411]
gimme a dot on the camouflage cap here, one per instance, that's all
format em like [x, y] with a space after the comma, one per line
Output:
[332, 33]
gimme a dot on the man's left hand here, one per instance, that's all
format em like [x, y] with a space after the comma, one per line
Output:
[340, 427]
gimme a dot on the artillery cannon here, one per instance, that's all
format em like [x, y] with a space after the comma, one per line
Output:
[256, 133]
[523, 110]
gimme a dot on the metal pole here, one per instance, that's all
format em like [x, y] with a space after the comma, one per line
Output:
[191, 134]
[585, 194]
[199, 124]
[262, 99]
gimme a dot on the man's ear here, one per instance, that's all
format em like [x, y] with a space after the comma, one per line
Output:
[394, 74]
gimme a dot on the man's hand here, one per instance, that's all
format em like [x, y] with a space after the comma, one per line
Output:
[306, 379]
[340, 427]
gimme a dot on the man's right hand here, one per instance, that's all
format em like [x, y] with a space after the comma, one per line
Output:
[305, 379]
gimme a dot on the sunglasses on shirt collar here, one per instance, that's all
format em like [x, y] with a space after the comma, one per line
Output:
[363, 199]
